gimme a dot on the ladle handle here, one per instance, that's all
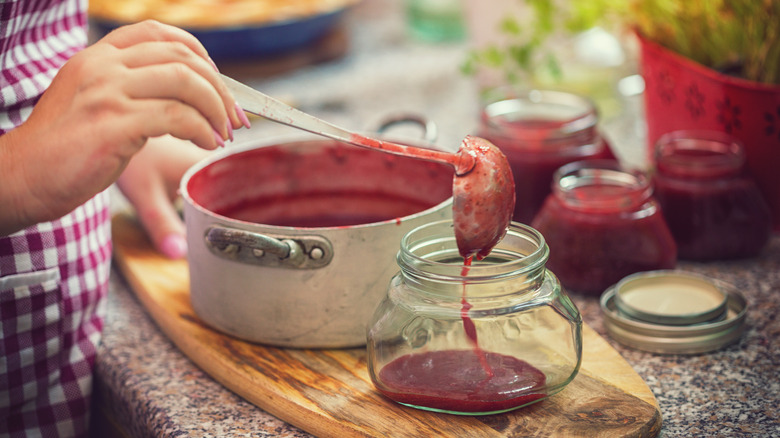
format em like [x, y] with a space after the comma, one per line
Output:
[260, 104]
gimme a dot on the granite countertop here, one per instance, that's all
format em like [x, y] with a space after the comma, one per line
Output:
[149, 388]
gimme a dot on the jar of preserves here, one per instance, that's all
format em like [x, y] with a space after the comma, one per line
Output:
[484, 338]
[540, 131]
[712, 206]
[602, 223]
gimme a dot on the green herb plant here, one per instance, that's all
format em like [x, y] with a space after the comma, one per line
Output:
[736, 37]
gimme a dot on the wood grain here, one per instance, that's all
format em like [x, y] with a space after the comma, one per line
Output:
[329, 392]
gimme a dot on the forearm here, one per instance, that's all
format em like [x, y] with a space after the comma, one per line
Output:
[29, 183]
[15, 208]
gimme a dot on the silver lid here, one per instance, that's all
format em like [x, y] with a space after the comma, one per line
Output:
[694, 338]
[670, 297]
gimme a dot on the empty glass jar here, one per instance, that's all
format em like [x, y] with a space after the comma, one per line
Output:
[602, 223]
[481, 339]
[540, 131]
[712, 206]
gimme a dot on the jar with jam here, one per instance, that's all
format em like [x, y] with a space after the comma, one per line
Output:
[540, 131]
[602, 223]
[472, 339]
[712, 206]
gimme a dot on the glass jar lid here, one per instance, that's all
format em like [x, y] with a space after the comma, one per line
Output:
[703, 299]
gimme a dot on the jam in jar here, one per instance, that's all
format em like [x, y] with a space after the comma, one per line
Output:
[484, 338]
[540, 131]
[713, 208]
[602, 223]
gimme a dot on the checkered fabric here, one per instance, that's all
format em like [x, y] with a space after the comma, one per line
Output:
[53, 276]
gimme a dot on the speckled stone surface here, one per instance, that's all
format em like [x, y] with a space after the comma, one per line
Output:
[155, 391]
[733, 392]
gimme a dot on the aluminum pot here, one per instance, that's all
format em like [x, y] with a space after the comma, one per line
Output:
[292, 243]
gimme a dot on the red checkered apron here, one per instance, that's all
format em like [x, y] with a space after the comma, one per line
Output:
[53, 276]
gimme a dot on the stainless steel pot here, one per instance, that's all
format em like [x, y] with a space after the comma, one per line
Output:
[292, 243]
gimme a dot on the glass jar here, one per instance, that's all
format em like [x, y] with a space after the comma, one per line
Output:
[481, 339]
[714, 209]
[540, 131]
[602, 223]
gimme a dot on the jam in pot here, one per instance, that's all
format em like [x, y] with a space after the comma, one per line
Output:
[602, 223]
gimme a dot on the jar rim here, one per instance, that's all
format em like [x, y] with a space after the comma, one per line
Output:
[436, 241]
[568, 114]
[570, 178]
[580, 114]
[700, 153]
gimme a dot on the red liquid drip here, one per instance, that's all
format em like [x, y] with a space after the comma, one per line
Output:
[468, 323]
[454, 380]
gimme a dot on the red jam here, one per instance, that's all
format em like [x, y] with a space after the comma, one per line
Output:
[457, 339]
[602, 224]
[333, 209]
[465, 381]
[455, 381]
[714, 210]
[537, 144]
[468, 324]
[311, 184]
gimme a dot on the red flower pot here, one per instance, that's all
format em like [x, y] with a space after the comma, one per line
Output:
[683, 94]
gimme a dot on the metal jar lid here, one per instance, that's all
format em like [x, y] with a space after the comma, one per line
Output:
[670, 298]
[649, 332]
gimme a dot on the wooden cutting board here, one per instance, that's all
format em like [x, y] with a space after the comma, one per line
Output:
[329, 392]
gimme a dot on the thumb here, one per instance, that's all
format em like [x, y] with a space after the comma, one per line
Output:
[163, 223]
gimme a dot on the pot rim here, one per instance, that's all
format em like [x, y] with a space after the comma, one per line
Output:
[281, 140]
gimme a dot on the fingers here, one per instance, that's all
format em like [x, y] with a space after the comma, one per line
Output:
[150, 42]
[155, 53]
[169, 116]
[150, 183]
[177, 82]
[162, 222]
[151, 30]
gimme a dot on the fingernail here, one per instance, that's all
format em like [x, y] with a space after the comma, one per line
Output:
[214, 64]
[174, 246]
[218, 138]
[242, 116]
[230, 130]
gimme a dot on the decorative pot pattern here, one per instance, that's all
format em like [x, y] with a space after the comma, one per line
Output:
[683, 95]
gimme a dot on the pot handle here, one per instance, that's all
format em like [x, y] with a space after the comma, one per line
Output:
[430, 132]
[293, 252]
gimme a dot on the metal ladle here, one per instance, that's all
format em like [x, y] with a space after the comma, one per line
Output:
[483, 187]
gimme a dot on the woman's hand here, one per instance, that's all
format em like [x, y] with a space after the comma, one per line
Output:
[140, 81]
[151, 181]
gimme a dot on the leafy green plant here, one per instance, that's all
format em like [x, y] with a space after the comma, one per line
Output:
[737, 37]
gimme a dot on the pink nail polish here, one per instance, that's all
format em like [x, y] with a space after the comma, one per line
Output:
[218, 139]
[230, 130]
[242, 116]
[174, 246]
[214, 64]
